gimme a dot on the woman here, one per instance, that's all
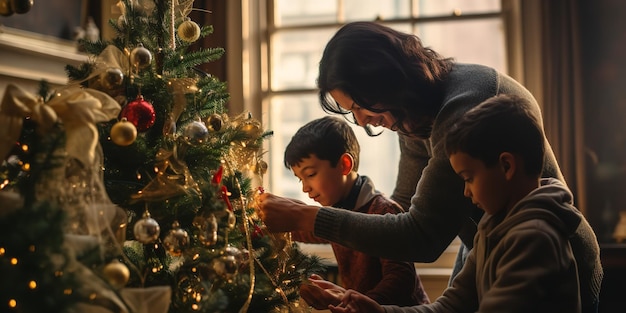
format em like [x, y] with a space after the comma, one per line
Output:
[387, 78]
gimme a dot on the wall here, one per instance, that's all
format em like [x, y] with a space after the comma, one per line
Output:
[603, 38]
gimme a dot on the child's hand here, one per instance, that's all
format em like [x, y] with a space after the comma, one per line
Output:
[320, 293]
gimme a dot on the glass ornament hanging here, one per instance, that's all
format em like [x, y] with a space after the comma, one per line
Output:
[191, 291]
[227, 264]
[196, 132]
[116, 274]
[176, 240]
[189, 30]
[140, 57]
[215, 122]
[123, 133]
[206, 229]
[146, 229]
[112, 78]
[139, 112]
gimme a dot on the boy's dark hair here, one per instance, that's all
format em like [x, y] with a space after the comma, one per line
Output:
[382, 70]
[500, 124]
[327, 138]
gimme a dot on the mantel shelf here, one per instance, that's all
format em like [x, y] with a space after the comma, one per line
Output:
[27, 58]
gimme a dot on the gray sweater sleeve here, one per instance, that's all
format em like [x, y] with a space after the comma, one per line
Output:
[414, 156]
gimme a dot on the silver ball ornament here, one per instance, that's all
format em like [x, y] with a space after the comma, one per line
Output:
[112, 78]
[196, 131]
[207, 229]
[147, 230]
[175, 240]
[140, 57]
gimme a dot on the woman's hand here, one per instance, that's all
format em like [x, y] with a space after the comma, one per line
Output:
[355, 302]
[284, 214]
[321, 293]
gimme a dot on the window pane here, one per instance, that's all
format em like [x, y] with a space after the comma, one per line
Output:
[469, 41]
[295, 57]
[302, 12]
[450, 7]
[288, 113]
[370, 10]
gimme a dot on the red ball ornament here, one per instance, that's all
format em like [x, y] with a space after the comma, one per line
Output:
[140, 113]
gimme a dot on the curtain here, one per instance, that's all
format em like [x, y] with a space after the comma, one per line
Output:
[562, 91]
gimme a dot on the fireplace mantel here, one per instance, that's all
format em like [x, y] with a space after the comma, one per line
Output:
[27, 58]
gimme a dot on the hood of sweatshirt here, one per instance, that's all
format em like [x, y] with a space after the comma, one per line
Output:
[552, 202]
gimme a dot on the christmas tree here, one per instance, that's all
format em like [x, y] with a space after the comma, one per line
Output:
[131, 188]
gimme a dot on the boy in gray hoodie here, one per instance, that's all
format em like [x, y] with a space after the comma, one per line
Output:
[533, 251]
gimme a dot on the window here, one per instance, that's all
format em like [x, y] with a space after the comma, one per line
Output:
[469, 31]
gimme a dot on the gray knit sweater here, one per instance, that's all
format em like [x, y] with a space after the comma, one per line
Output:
[438, 210]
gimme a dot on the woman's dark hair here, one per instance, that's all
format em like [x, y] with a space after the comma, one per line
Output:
[503, 123]
[382, 70]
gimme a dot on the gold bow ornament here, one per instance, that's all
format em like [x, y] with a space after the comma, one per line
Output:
[79, 109]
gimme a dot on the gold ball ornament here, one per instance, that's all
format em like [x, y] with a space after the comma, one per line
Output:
[5, 8]
[251, 129]
[116, 273]
[189, 31]
[112, 78]
[260, 168]
[123, 133]
[215, 122]
[140, 57]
